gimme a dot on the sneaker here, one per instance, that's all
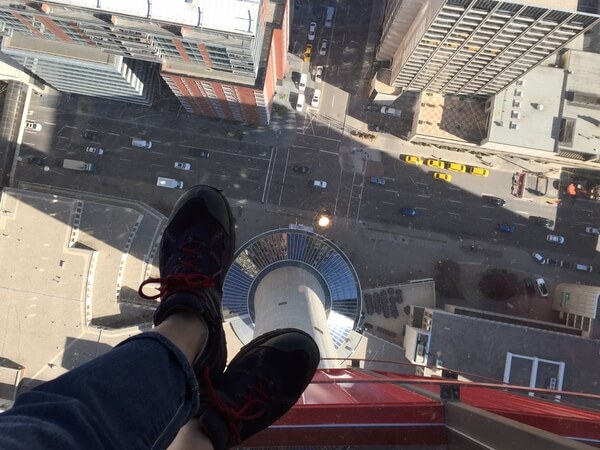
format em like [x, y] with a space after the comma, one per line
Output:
[264, 380]
[195, 252]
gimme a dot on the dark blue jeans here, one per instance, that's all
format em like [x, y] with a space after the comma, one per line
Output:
[138, 395]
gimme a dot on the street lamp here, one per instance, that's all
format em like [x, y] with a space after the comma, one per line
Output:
[323, 220]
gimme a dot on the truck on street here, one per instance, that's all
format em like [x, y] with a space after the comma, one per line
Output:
[79, 165]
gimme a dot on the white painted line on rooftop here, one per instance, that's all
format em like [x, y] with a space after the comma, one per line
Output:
[485, 218]
[327, 151]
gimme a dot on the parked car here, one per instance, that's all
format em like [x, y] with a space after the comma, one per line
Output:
[541, 284]
[494, 200]
[318, 184]
[36, 160]
[543, 221]
[315, 98]
[411, 159]
[506, 228]
[479, 171]
[583, 267]
[529, 286]
[95, 150]
[408, 212]
[183, 166]
[201, 153]
[301, 169]
[302, 83]
[442, 176]
[91, 135]
[312, 31]
[556, 239]
[141, 143]
[566, 264]
[323, 49]
[592, 230]
[538, 258]
[33, 126]
[437, 163]
[300, 102]
[307, 52]
[319, 74]
[552, 262]
[379, 181]
[169, 183]
[456, 167]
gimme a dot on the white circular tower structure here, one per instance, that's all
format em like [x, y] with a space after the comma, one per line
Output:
[294, 278]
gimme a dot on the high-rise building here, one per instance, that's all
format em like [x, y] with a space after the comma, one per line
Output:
[473, 47]
[221, 58]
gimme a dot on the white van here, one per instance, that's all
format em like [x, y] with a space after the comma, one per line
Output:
[329, 16]
[141, 143]
[303, 81]
[169, 183]
[300, 104]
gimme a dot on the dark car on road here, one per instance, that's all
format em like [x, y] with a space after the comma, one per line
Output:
[408, 212]
[36, 160]
[91, 135]
[529, 286]
[506, 228]
[543, 222]
[497, 201]
[553, 262]
[379, 181]
[301, 169]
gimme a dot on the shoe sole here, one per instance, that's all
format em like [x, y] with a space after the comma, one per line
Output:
[269, 335]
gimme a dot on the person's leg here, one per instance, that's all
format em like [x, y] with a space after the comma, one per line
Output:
[106, 403]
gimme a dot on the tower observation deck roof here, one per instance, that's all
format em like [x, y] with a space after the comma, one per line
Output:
[306, 250]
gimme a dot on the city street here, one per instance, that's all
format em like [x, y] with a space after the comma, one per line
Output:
[257, 164]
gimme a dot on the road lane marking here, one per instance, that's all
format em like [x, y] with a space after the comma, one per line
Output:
[287, 159]
[421, 183]
[453, 213]
[157, 153]
[487, 206]
[125, 159]
[455, 201]
[155, 140]
[520, 224]
[49, 123]
[421, 207]
[327, 151]
[33, 145]
[485, 218]
[70, 126]
[454, 188]
[388, 203]
[424, 195]
[114, 134]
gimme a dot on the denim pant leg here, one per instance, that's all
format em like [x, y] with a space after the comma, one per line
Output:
[136, 396]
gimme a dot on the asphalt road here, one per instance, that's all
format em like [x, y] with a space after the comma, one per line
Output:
[255, 168]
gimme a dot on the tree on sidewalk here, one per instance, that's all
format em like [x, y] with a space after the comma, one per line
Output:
[499, 284]
[446, 277]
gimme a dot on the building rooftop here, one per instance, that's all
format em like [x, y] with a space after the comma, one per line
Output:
[238, 16]
[480, 346]
[523, 114]
[584, 107]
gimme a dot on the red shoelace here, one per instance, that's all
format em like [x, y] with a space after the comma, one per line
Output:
[179, 282]
[255, 399]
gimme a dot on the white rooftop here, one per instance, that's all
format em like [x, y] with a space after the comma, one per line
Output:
[238, 16]
[523, 113]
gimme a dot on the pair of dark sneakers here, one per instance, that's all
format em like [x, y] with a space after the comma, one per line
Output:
[266, 378]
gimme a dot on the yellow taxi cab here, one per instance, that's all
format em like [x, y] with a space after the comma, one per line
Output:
[442, 176]
[479, 171]
[308, 52]
[457, 167]
[437, 163]
[411, 159]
